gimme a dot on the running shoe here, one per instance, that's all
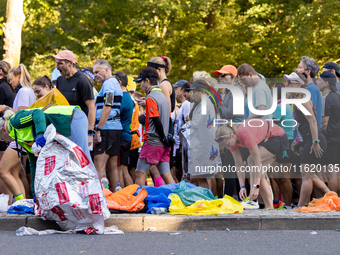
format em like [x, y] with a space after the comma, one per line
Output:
[279, 205]
[249, 204]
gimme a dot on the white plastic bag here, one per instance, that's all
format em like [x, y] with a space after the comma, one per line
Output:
[3, 202]
[67, 186]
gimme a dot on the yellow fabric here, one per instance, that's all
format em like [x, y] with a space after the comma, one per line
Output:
[131, 84]
[226, 205]
[54, 96]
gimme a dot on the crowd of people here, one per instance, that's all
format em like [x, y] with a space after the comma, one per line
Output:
[174, 132]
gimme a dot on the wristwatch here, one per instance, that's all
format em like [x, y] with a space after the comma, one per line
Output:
[316, 141]
[98, 129]
[6, 108]
[257, 186]
[90, 132]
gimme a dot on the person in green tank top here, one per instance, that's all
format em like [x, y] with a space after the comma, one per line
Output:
[29, 126]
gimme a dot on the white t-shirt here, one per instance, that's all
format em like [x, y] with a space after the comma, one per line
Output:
[25, 97]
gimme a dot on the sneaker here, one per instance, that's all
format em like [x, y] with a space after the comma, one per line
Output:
[279, 205]
[249, 204]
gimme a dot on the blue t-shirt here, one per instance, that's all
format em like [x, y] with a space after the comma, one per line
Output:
[316, 99]
[286, 120]
[126, 111]
[111, 85]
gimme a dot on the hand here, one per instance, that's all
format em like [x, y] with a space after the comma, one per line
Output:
[40, 141]
[90, 140]
[187, 118]
[317, 150]
[142, 101]
[166, 142]
[97, 137]
[254, 193]
[243, 194]
[2, 107]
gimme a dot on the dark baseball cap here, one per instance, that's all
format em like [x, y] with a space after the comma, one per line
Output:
[179, 83]
[330, 78]
[142, 77]
[332, 66]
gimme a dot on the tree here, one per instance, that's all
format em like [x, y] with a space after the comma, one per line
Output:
[12, 31]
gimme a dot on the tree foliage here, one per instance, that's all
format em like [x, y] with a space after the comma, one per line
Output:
[196, 34]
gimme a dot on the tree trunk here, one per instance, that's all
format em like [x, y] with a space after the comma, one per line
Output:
[12, 31]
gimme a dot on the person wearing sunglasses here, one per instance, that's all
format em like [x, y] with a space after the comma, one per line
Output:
[264, 141]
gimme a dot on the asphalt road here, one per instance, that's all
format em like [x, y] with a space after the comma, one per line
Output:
[197, 242]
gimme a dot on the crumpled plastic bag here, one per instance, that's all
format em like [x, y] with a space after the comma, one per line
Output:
[328, 203]
[3, 202]
[67, 186]
[226, 205]
[24, 206]
[191, 195]
[27, 231]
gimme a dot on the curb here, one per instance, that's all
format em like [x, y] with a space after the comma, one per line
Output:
[143, 222]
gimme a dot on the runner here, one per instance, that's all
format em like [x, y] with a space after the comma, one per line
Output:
[41, 86]
[264, 143]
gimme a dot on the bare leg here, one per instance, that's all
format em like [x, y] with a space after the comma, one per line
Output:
[140, 178]
[126, 176]
[132, 172]
[112, 170]
[202, 182]
[306, 187]
[121, 176]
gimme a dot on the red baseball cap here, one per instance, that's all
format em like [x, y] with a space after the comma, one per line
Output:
[227, 69]
[65, 54]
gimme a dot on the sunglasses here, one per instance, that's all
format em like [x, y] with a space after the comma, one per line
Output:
[222, 75]
[220, 138]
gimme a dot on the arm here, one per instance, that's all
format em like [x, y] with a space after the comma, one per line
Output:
[105, 114]
[241, 175]
[92, 116]
[260, 107]
[159, 128]
[313, 129]
[166, 90]
[324, 122]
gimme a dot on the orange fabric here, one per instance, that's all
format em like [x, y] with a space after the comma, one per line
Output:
[124, 199]
[329, 202]
[135, 142]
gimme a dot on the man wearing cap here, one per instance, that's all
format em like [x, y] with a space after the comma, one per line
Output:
[184, 110]
[108, 123]
[227, 75]
[331, 123]
[156, 148]
[262, 98]
[333, 68]
[75, 86]
[311, 68]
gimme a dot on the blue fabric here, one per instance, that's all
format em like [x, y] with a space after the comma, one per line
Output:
[157, 197]
[316, 99]
[20, 209]
[111, 85]
[79, 136]
[247, 109]
[40, 141]
[126, 111]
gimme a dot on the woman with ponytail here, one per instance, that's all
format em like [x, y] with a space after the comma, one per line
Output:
[14, 157]
[264, 141]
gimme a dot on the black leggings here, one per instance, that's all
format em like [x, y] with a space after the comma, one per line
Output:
[230, 179]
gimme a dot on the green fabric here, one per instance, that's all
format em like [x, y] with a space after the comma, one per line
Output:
[33, 162]
[191, 195]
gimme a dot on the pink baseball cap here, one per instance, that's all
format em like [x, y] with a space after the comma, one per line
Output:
[65, 54]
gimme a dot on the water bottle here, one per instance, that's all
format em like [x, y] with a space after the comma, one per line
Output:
[105, 182]
[158, 210]
[118, 187]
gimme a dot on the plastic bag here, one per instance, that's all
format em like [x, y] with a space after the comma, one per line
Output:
[191, 195]
[328, 203]
[3, 202]
[67, 186]
[226, 205]
[54, 97]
